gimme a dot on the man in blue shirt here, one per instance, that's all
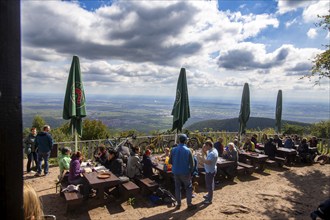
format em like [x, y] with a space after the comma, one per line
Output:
[44, 144]
[182, 168]
[210, 166]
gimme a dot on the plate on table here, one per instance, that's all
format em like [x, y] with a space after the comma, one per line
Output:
[103, 175]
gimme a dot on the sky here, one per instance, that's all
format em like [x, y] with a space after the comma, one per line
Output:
[138, 47]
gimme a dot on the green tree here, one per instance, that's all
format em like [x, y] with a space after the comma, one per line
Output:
[38, 122]
[94, 129]
[321, 129]
[321, 62]
[294, 129]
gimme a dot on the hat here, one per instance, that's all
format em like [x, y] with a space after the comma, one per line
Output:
[183, 138]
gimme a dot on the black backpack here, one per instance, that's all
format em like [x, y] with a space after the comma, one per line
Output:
[165, 196]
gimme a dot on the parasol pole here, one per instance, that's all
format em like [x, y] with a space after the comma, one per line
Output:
[75, 140]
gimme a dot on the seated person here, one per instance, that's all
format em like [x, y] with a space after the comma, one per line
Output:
[288, 143]
[231, 154]
[124, 153]
[248, 145]
[254, 139]
[278, 141]
[304, 152]
[114, 163]
[313, 144]
[219, 146]
[31, 203]
[134, 166]
[264, 139]
[64, 161]
[147, 164]
[102, 155]
[270, 148]
[75, 172]
[166, 154]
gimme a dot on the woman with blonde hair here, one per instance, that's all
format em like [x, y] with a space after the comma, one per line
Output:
[31, 204]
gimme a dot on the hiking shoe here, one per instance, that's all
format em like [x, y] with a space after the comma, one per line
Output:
[205, 196]
[37, 174]
[191, 207]
[178, 206]
[46, 174]
[207, 202]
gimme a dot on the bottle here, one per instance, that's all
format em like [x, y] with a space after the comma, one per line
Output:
[165, 168]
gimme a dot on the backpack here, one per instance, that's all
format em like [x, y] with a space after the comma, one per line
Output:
[165, 196]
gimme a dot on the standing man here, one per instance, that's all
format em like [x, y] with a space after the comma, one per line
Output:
[30, 150]
[44, 143]
[182, 168]
[210, 166]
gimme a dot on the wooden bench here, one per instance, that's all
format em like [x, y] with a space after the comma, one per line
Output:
[129, 189]
[280, 161]
[276, 160]
[73, 200]
[147, 185]
[240, 170]
[249, 169]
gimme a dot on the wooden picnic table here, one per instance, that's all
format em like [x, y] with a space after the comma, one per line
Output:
[257, 160]
[287, 153]
[100, 184]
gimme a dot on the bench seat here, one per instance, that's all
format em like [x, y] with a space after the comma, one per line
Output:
[129, 189]
[249, 169]
[73, 200]
[147, 185]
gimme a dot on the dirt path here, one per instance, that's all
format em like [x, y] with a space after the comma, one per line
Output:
[286, 193]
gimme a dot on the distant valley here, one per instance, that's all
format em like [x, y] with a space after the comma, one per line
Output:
[147, 114]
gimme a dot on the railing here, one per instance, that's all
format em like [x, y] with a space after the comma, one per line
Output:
[158, 142]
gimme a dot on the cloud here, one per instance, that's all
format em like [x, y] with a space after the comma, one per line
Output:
[312, 33]
[248, 57]
[285, 6]
[134, 47]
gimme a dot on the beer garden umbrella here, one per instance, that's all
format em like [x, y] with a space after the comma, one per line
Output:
[244, 113]
[74, 108]
[181, 110]
[278, 112]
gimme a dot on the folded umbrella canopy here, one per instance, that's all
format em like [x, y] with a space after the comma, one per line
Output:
[278, 112]
[181, 110]
[74, 102]
[244, 113]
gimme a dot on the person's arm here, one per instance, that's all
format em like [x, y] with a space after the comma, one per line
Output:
[191, 162]
[204, 160]
[170, 160]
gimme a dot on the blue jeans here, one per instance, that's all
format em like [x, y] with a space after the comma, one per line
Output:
[209, 183]
[43, 156]
[186, 181]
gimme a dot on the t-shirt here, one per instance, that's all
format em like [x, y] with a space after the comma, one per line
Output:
[213, 156]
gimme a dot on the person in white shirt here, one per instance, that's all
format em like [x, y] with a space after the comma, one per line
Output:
[134, 165]
[210, 165]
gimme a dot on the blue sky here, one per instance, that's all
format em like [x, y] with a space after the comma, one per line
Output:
[138, 47]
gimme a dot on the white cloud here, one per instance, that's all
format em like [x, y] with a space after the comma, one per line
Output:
[316, 8]
[134, 47]
[312, 33]
[285, 6]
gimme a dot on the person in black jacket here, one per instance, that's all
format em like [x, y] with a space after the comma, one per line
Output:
[114, 163]
[304, 152]
[270, 148]
[147, 164]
